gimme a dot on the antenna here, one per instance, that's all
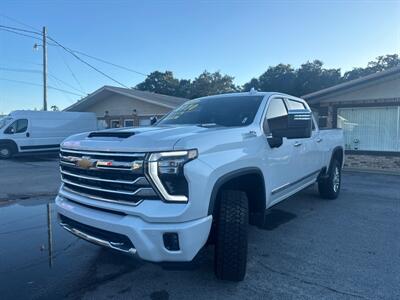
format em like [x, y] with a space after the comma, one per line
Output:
[253, 91]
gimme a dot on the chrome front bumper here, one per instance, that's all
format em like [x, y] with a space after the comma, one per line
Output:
[120, 246]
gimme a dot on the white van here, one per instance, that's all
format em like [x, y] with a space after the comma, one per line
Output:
[32, 131]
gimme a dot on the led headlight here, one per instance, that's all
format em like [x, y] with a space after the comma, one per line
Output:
[166, 171]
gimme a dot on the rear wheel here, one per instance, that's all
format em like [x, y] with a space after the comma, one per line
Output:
[6, 151]
[329, 187]
[231, 236]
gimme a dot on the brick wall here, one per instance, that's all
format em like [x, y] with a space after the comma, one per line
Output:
[373, 162]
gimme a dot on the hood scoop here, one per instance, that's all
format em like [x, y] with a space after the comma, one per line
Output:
[121, 134]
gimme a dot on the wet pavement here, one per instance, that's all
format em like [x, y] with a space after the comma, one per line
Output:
[26, 176]
[308, 249]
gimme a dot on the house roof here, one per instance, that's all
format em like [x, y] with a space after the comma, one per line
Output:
[107, 91]
[351, 83]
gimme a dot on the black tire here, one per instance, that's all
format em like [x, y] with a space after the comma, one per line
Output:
[6, 151]
[231, 236]
[329, 187]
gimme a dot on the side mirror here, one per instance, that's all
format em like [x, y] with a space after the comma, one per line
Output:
[10, 130]
[153, 120]
[297, 124]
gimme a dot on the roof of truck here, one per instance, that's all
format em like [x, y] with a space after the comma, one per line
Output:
[251, 93]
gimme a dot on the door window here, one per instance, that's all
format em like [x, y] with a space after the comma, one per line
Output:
[18, 126]
[276, 110]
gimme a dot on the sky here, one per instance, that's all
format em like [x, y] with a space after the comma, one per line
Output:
[238, 38]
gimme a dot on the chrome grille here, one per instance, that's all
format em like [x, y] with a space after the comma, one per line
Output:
[108, 176]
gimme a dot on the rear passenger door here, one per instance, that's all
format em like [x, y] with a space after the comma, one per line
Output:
[306, 154]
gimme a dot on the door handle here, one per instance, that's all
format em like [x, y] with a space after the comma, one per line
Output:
[297, 144]
[27, 134]
[319, 140]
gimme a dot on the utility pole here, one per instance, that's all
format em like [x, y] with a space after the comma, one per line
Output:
[44, 69]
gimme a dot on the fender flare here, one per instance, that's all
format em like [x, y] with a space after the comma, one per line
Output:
[334, 151]
[10, 143]
[229, 176]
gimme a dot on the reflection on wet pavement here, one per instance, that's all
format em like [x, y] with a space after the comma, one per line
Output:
[39, 259]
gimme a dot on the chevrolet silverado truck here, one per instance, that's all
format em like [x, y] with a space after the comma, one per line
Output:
[199, 176]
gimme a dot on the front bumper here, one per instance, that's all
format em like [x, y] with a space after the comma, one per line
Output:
[146, 237]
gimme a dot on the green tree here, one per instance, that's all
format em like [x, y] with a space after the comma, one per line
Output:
[311, 77]
[280, 78]
[381, 63]
[253, 83]
[211, 84]
[160, 82]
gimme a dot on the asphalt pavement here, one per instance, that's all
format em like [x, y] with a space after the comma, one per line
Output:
[308, 248]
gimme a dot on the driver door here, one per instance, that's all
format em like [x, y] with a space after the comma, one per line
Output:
[279, 165]
[18, 132]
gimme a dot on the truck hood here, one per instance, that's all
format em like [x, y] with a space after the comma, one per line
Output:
[143, 139]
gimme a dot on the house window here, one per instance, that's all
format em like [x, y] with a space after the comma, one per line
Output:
[115, 124]
[145, 122]
[128, 123]
[370, 128]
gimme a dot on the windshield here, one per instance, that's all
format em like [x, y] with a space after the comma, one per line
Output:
[4, 121]
[215, 111]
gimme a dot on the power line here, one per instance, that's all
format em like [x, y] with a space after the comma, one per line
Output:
[39, 72]
[70, 69]
[19, 33]
[20, 70]
[67, 84]
[86, 63]
[66, 96]
[109, 63]
[37, 84]
[20, 29]
[18, 22]
[73, 52]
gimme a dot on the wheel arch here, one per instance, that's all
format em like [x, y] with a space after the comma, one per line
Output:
[251, 181]
[11, 143]
[337, 154]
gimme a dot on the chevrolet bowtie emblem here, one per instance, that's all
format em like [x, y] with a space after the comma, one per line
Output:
[84, 163]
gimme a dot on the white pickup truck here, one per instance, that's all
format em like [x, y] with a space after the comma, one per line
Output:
[199, 176]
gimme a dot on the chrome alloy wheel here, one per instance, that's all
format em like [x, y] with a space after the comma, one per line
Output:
[336, 179]
[4, 152]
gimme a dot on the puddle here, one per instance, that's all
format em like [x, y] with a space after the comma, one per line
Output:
[39, 259]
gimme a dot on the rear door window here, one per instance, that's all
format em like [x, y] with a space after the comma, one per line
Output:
[295, 104]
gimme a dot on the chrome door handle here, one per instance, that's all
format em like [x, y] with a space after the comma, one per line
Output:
[297, 144]
[319, 140]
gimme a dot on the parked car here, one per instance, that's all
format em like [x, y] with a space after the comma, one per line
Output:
[32, 131]
[200, 175]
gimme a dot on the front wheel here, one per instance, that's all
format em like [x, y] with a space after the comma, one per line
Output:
[6, 152]
[329, 187]
[231, 236]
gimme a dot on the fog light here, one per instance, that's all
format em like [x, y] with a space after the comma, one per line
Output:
[171, 241]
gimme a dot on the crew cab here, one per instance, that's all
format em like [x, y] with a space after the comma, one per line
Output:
[198, 176]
